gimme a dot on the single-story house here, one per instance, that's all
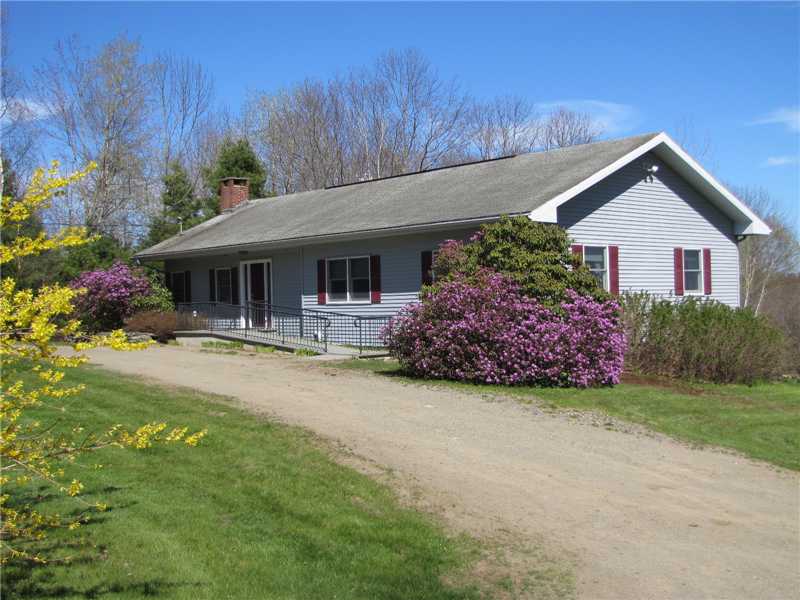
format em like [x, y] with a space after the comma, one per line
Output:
[642, 213]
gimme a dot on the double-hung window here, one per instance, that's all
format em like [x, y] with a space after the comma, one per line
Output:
[348, 279]
[596, 260]
[223, 286]
[692, 272]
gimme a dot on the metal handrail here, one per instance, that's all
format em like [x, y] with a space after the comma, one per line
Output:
[263, 321]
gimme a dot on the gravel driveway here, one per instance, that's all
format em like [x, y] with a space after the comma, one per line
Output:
[646, 517]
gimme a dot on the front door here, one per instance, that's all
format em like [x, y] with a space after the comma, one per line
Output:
[257, 292]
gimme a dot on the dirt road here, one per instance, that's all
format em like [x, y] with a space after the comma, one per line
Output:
[645, 516]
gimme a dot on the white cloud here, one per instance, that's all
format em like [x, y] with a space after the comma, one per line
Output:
[781, 161]
[790, 117]
[23, 109]
[612, 117]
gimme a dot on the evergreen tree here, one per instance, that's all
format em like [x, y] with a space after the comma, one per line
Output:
[180, 206]
[236, 158]
[537, 256]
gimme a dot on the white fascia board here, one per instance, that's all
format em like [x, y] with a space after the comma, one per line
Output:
[745, 221]
[548, 212]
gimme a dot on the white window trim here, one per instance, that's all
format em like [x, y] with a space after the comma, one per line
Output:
[348, 259]
[243, 285]
[701, 280]
[606, 271]
[216, 285]
[243, 274]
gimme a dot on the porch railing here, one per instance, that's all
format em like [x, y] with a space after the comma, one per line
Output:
[268, 323]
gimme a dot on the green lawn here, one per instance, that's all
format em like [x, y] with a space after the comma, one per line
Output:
[762, 421]
[258, 510]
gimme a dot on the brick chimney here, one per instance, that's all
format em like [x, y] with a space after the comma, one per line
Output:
[233, 191]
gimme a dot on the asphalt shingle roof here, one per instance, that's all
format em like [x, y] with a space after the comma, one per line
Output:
[474, 191]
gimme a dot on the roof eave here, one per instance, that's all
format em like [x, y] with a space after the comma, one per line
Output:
[317, 239]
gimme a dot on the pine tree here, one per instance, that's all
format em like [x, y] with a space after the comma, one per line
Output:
[236, 158]
[181, 209]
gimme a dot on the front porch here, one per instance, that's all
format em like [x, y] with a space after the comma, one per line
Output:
[288, 328]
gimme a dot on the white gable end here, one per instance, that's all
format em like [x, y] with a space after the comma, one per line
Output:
[745, 222]
[647, 218]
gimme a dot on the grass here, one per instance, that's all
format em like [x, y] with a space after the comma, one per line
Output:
[233, 347]
[264, 349]
[223, 345]
[305, 352]
[761, 421]
[258, 510]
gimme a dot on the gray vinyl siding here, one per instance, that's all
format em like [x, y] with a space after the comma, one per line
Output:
[647, 220]
[401, 269]
[286, 274]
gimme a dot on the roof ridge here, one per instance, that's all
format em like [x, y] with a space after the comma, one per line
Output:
[464, 164]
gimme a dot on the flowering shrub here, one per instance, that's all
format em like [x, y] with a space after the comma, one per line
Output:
[33, 452]
[110, 295]
[483, 329]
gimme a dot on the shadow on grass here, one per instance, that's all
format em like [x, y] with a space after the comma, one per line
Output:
[29, 579]
[151, 588]
[37, 580]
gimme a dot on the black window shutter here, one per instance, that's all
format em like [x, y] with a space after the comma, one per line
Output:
[235, 285]
[212, 286]
[168, 280]
[187, 284]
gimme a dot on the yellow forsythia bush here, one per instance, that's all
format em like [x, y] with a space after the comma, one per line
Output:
[30, 321]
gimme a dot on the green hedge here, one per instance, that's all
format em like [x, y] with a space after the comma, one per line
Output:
[700, 339]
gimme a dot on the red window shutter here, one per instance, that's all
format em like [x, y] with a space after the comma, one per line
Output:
[321, 292]
[707, 271]
[577, 250]
[678, 259]
[426, 264]
[375, 279]
[613, 269]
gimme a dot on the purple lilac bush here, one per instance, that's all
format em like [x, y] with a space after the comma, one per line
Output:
[110, 295]
[486, 331]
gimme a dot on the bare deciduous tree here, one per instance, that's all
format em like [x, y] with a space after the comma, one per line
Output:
[98, 111]
[698, 144]
[397, 117]
[564, 127]
[135, 117]
[763, 258]
[782, 305]
[19, 135]
[183, 93]
[505, 126]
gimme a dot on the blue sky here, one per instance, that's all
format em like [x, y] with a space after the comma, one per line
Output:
[730, 70]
